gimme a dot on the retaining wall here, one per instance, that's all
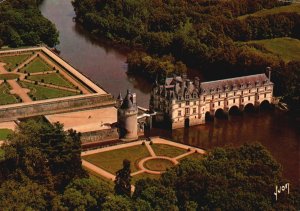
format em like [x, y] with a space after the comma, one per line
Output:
[54, 106]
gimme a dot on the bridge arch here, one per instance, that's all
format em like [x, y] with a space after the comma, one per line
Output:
[249, 108]
[265, 105]
[234, 110]
[208, 116]
[220, 113]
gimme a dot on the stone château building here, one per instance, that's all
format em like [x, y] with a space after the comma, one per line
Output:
[182, 102]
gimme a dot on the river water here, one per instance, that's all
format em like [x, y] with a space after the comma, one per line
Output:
[106, 66]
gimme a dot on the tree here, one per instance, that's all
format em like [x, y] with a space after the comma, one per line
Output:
[123, 179]
[44, 153]
[228, 179]
[86, 194]
[120, 203]
[23, 195]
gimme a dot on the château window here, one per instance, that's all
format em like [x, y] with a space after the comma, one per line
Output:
[179, 105]
[187, 97]
[249, 98]
[234, 93]
[179, 113]
[195, 103]
[226, 94]
[242, 92]
[265, 95]
[219, 103]
[265, 88]
[249, 90]
[187, 111]
[203, 98]
[194, 110]
[219, 95]
[213, 105]
[187, 102]
[233, 100]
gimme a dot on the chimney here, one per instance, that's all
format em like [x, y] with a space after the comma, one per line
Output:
[269, 70]
[134, 99]
[197, 82]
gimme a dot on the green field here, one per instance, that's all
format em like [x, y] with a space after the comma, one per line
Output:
[8, 76]
[264, 12]
[13, 61]
[4, 133]
[112, 161]
[52, 78]
[193, 156]
[287, 48]
[36, 65]
[5, 97]
[158, 164]
[38, 92]
[167, 150]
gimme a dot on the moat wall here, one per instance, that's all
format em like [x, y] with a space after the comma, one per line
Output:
[54, 106]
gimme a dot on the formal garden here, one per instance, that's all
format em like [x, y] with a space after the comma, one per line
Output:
[149, 159]
[32, 76]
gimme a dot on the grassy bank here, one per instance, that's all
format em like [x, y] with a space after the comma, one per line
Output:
[287, 48]
[276, 10]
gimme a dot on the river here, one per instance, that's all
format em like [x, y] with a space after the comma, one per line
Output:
[106, 65]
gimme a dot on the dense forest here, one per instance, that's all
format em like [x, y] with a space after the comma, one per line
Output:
[22, 24]
[204, 34]
[41, 170]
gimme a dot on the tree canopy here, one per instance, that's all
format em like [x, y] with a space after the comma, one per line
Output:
[22, 24]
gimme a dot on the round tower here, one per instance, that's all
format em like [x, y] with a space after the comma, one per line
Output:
[127, 117]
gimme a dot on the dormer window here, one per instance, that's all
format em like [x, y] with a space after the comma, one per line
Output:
[187, 96]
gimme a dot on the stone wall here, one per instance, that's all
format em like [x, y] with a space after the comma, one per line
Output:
[54, 106]
[100, 135]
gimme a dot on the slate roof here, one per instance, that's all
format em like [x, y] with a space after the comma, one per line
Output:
[178, 87]
[234, 83]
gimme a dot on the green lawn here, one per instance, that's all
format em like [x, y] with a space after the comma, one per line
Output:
[158, 164]
[52, 78]
[194, 156]
[167, 150]
[36, 65]
[144, 176]
[38, 92]
[4, 133]
[112, 161]
[8, 76]
[5, 97]
[287, 48]
[13, 61]
[96, 176]
[264, 12]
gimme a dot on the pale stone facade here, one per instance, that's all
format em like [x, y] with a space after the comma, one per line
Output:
[181, 102]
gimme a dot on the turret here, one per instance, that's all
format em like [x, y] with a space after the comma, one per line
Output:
[127, 117]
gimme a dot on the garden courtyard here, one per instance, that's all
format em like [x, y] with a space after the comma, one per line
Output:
[33, 75]
[149, 159]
